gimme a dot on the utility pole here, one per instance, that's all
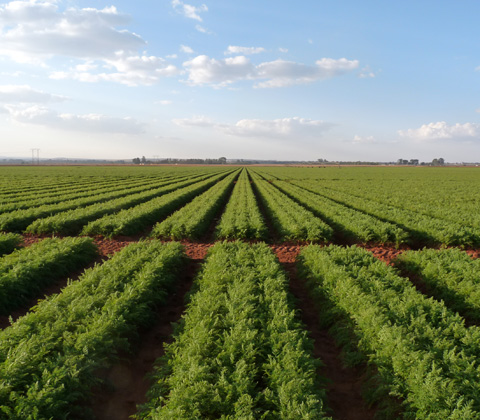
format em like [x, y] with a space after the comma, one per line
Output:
[37, 157]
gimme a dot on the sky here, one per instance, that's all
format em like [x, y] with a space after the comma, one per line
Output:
[316, 79]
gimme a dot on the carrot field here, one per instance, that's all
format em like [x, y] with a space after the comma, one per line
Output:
[222, 292]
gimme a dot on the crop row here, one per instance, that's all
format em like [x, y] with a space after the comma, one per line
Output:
[20, 219]
[193, 220]
[26, 271]
[240, 352]
[424, 353]
[72, 221]
[424, 229]
[8, 242]
[134, 220]
[290, 219]
[49, 357]
[352, 223]
[242, 218]
[448, 274]
[78, 192]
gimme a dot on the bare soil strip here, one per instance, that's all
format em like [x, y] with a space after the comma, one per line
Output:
[127, 382]
[345, 384]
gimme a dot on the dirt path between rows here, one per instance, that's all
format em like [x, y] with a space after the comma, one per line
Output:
[344, 384]
[126, 383]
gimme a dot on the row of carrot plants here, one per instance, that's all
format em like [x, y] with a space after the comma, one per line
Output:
[133, 220]
[424, 354]
[49, 357]
[78, 192]
[26, 271]
[20, 219]
[8, 242]
[242, 218]
[72, 221]
[291, 220]
[448, 274]
[193, 220]
[351, 223]
[239, 352]
[422, 229]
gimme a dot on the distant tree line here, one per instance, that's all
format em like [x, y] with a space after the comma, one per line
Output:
[171, 161]
[414, 162]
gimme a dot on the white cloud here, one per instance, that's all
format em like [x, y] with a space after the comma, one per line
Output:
[205, 70]
[201, 29]
[97, 123]
[283, 50]
[244, 50]
[32, 31]
[291, 128]
[441, 130]
[285, 73]
[25, 94]
[35, 31]
[186, 49]
[127, 70]
[189, 11]
[366, 73]
[364, 140]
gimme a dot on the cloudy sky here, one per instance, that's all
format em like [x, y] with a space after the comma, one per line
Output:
[338, 80]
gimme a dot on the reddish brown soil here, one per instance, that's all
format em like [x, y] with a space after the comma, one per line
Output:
[384, 253]
[344, 386]
[127, 382]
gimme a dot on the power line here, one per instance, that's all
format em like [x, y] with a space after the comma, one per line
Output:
[35, 158]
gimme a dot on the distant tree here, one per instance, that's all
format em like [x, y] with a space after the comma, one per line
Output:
[136, 161]
[222, 160]
[143, 160]
[438, 162]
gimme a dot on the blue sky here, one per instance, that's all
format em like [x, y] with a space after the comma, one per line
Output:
[338, 80]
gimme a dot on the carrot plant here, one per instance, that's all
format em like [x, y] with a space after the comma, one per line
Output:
[193, 220]
[138, 218]
[422, 351]
[49, 357]
[290, 219]
[72, 221]
[352, 223]
[240, 351]
[8, 242]
[25, 272]
[448, 274]
[242, 218]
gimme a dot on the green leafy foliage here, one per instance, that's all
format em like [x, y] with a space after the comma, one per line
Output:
[290, 219]
[72, 221]
[449, 274]
[352, 223]
[48, 358]
[423, 229]
[242, 218]
[423, 352]
[25, 272]
[134, 220]
[193, 220]
[240, 351]
[8, 242]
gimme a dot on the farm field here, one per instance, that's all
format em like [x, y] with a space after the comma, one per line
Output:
[234, 293]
